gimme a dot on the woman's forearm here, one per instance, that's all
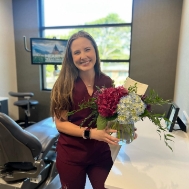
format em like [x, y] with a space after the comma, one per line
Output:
[77, 131]
[69, 128]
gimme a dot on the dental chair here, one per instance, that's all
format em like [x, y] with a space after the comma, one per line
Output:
[27, 156]
[25, 102]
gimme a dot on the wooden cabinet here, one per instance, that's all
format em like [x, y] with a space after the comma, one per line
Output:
[4, 105]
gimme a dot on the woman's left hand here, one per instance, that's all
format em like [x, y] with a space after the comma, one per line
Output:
[104, 135]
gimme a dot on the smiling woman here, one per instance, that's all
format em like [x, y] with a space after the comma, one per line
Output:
[81, 67]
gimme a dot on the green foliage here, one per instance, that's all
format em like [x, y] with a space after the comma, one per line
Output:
[112, 117]
[87, 104]
[113, 42]
[153, 98]
[133, 88]
[101, 122]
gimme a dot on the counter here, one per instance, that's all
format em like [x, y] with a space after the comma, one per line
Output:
[147, 163]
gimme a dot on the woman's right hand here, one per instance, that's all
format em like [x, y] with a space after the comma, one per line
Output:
[104, 135]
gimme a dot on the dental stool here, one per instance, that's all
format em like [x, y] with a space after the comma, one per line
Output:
[27, 156]
[25, 102]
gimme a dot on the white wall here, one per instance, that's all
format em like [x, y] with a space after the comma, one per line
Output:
[181, 94]
[8, 80]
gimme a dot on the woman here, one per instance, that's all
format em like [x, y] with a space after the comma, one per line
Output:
[83, 150]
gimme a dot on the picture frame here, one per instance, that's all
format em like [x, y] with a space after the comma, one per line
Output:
[47, 51]
[172, 116]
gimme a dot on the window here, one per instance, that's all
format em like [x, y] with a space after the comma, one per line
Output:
[109, 22]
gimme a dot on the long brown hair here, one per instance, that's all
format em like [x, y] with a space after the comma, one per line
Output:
[61, 94]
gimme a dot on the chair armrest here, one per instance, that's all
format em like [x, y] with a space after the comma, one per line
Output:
[46, 133]
[47, 145]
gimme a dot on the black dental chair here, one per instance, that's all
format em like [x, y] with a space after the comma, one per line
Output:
[25, 102]
[27, 156]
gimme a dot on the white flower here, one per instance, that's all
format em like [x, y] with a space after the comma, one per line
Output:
[129, 109]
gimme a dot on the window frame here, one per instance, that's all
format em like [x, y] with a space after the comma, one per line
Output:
[42, 28]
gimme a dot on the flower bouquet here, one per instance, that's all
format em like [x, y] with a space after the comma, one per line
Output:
[119, 108]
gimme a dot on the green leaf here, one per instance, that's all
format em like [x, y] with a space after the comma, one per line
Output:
[154, 99]
[112, 117]
[101, 122]
[133, 88]
[169, 135]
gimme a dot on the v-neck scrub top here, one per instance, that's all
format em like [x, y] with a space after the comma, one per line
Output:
[76, 150]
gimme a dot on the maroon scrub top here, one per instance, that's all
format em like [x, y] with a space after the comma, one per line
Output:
[76, 150]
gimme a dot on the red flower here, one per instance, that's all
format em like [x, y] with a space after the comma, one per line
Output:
[107, 100]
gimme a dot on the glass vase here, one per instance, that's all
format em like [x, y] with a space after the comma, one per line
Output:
[125, 132]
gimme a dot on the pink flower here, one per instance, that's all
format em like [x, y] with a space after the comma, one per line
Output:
[108, 98]
[143, 97]
[148, 106]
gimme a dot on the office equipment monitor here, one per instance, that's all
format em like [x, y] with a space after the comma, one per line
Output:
[47, 51]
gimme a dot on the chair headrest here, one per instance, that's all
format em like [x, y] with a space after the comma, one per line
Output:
[21, 94]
